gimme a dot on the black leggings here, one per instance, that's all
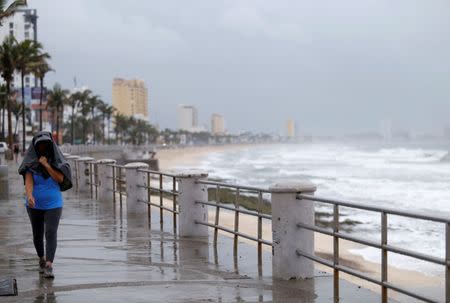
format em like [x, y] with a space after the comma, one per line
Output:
[45, 221]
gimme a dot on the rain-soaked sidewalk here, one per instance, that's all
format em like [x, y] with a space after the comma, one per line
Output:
[102, 258]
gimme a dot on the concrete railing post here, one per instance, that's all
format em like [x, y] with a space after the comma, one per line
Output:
[191, 212]
[287, 212]
[83, 176]
[135, 192]
[105, 175]
[4, 183]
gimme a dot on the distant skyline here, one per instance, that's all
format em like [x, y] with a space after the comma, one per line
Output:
[334, 67]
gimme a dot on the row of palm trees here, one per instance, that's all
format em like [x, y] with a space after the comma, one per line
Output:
[25, 57]
[88, 115]
[92, 120]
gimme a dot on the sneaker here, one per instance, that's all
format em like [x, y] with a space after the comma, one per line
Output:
[41, 266]
[48, 272]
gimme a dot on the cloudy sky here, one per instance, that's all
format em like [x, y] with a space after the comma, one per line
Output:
[334, 66]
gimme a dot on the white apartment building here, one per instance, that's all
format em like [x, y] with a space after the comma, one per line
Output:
[22, 25]
[187, 118]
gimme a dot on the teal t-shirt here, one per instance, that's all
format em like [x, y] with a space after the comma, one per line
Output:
[46, 193]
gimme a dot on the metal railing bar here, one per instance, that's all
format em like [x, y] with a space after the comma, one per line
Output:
[113, 170]
[388, 210]
[161, 201]
[217, 213]
[236, 218]
[118, 179]
[360, 275]
[389, 248]
[244, 211]
[122, 193]
[336, 262]
[158, 206]
[115, 165]
[236, 186]
[155, 172]
[447, 257]
[154, 189]
[174, 201]
[259, 230]
[384, 256]
[231, 231]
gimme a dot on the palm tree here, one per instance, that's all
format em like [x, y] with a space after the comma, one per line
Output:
[152, 133]
[16, 109]
[29, 54]
[11, 9]
[110, 110]
[85, 109]
[3, 100]
[8, 59]
[77, 99]
[102, 108]
[92, 103]
[40, 70]
[120, 127]
[107, 111]
[56, 100]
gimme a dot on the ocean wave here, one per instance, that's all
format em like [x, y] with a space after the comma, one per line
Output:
[374, 255]
[405, 178]
[445, 158]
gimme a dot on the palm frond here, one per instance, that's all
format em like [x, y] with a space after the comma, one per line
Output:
[11, 8]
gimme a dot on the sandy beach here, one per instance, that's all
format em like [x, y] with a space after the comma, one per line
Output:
[190, 156]
[170, 159]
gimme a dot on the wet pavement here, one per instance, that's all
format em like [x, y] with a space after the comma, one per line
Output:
[103, 258]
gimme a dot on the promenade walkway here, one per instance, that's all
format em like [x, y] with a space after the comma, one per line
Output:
[103, 258]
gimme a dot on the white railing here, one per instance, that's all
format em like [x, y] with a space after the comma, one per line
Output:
[187, 197]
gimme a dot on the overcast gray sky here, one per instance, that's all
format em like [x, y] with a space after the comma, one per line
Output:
[333, 66]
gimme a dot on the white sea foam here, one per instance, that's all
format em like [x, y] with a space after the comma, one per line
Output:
[413, 178]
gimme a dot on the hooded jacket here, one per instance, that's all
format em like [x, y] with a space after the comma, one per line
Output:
[54, 156]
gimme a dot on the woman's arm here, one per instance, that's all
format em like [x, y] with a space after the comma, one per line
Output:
[56, 175]
[29, 189]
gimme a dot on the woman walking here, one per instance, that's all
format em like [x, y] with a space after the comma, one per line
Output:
[46, 173]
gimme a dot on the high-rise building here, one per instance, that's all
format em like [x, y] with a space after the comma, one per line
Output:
[217, 125]
[291, 128]
[187, 117]
[22, 25]
[130, 97]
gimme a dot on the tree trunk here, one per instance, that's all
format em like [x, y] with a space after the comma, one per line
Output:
[117, 135]
[103, 129]
[84, 131]
[8, 102]
[17, 124]
[3, 120]
[109, 127]
[40, 103]
[93, 126]
[57, 126]
[24, 132]
[71, 124]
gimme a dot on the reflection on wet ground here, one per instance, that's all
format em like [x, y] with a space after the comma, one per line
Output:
[103, 257]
